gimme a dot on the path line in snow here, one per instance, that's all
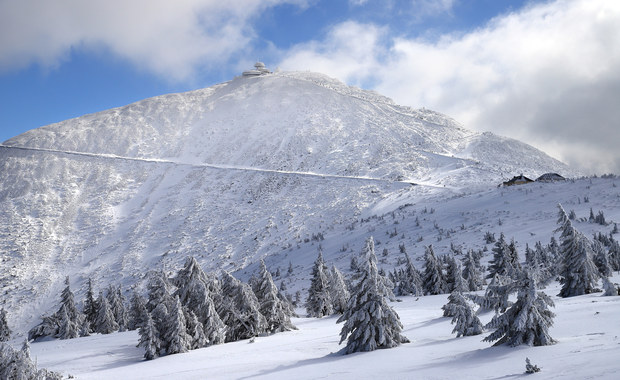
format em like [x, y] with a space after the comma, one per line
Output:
[207, 165]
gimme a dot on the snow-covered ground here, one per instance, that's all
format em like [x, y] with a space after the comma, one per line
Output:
[586, 328]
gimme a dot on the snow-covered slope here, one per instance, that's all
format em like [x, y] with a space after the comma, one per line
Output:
[255, 167]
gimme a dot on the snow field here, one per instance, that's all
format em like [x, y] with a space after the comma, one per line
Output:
[586, 328]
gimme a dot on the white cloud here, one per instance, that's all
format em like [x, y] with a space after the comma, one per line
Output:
[548, 75]
[169, 38]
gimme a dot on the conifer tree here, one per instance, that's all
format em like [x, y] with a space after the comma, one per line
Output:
[117, 305]
[137, 311]
[505, 261]
[74, 316]
[272, 306]
[609, 289]
[149, 338]
[213, 326]
[319, 302]
[90, 304]
[176, 340]
[527, 321]
[67, 329]
[463, 317]
[601, 259]
[105, 322]
[496, 294]
[5, 331]
[578, 273]
[434, 282]
[411, 281]
[471, 272]
[338, 291]
[370, 323]
[242, 314]
[195, 330]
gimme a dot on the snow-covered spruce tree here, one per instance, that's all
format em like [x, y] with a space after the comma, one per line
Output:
[319, 302]
[159, 291]
[527, 321]
[17, 365]
[5, 331]
[105, 323]
[90, 304]
[338, 290]
[578, 273]
[149, 338]
[601, 259]
[411, 280]
[213, 326]
[496, 294]
[471, 272]
[370, 323]
[463, 316]
[454, 275]
[241, 310]
[67, 329]
[503, 260]
[433, 278]
[47, 327]
[75, 317]
[137, 311]
[535, 263]
[195, 330]
[176, 340]
[272, 307]
[117, 305]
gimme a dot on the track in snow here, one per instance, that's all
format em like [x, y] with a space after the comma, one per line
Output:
[206, 165]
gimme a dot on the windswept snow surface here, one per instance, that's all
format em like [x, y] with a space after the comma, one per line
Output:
[586, 328]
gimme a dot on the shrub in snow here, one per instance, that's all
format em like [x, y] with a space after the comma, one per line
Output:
[531, 368]
[433, 278]
[319, 302]
[463, 316]
[5, 331]
[527, 321]
[578, 273]
[370, 323]
[272, 307]
[609, 289]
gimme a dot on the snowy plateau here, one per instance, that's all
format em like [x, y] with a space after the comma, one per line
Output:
[272, 167]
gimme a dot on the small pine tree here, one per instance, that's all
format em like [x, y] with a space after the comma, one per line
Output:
[433, 280]
[105, 323]
[195, 330]
[149, 338]
[242, 314]
[338, 291]
[471, 272]
[319, 303]
[370, 323]
[5, 331]
[90, 304]
[271, 305]
[463, 317]
[578, 273]
[505, 261]
[527, 321]
[117, 305]
[411, 281]
[68, 329]
[137, 311]
[601, 259]
[176, 340]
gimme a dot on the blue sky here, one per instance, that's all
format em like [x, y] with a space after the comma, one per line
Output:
[544, 72]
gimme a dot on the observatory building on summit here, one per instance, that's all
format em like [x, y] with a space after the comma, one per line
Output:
[259, 69]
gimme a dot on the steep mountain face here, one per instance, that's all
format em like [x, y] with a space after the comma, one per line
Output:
[230, 173]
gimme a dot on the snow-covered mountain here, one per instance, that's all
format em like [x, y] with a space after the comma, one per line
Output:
[255, 167]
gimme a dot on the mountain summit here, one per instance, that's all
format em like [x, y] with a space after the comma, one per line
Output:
[231, 173]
